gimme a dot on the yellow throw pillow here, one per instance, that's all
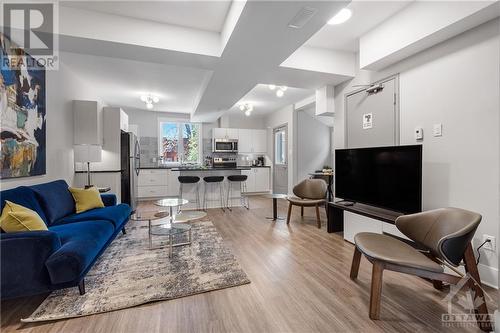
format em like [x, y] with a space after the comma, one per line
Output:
[86, 199]
[17, 218]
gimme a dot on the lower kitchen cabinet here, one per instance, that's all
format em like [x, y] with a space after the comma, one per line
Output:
[155, 183]
[258, 179]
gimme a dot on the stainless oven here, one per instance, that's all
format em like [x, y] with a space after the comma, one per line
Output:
[225, 146]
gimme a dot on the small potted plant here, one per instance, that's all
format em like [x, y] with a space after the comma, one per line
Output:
[327, 169]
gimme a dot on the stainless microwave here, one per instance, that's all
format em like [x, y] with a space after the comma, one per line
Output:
[225, 146]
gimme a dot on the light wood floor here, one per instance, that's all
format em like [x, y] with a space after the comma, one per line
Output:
[300, 283]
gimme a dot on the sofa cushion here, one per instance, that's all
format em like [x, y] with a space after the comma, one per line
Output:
[16, 218]
[118, 215]
[55, 199]
[81, 243]
[25, 197]
[86, 198]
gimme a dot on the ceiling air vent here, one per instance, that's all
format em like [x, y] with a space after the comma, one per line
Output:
[302, 17]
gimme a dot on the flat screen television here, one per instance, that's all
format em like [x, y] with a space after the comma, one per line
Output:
[385, 177]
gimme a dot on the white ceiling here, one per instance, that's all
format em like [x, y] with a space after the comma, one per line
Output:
[265, 101]
[121, 82]
[203, 15]
[365, 16]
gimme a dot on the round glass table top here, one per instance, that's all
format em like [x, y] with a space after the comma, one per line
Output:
[276, 196]
[168, 229]
[171, 202]
[148, 215]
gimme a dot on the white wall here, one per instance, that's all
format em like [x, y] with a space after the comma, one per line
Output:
[313, 144]
[455, 83]
[63, 86]
[242, 121]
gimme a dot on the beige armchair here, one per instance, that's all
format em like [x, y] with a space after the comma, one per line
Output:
[310, 193]
[446, 235]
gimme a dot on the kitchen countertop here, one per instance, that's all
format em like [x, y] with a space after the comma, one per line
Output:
[209, 168]
[173, 168]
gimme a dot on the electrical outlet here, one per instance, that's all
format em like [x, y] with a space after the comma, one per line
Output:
[492, 244]
[419, 133]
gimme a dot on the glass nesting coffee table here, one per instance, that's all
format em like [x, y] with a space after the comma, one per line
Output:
[170, 229]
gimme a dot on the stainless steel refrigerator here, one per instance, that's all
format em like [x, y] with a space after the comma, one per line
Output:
[130, 168]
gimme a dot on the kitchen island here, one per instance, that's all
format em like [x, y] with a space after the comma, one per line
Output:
[211, 194]
[160, 181]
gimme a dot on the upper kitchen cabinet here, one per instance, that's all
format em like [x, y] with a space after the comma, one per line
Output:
[87, 117]
[225, 133]
[252, 141]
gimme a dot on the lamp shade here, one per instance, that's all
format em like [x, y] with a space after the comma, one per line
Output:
[88, 153]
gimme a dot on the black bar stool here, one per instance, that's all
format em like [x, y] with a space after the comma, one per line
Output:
[190, 180]
[241, 179]
[213, 182]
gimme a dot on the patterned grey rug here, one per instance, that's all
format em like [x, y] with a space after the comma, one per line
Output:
[128, 274]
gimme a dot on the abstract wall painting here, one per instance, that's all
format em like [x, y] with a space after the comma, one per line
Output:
[22, 114]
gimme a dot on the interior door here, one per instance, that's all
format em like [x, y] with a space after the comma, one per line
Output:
[280, 160]
[372, 118]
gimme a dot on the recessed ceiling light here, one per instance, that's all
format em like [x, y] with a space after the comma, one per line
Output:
[341, 17]
[280, 93]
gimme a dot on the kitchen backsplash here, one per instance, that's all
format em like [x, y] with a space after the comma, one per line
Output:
[150, 154]
[149, 150]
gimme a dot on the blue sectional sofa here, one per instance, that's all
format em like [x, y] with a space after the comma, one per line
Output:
[40, 261]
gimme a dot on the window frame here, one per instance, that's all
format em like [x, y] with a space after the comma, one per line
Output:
[179, 122]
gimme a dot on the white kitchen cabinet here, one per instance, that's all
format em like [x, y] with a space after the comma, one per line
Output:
[88, 120]
[245, 144]
[252, 141]
[225, 133]
[261, 179]
[173, 184]
[154, 183]
[152, 191]
[259, 141]
[153, 177]
[258, 179]
[123, 121]
[250, 183]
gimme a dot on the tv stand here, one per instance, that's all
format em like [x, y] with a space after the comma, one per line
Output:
[336, 214]
[346, 203]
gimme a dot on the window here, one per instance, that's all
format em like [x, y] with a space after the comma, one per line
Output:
[280, 146]
[180, 142]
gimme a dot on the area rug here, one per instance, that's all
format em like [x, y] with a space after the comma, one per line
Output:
[129, 274]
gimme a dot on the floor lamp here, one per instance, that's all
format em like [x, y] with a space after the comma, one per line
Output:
[88, 154]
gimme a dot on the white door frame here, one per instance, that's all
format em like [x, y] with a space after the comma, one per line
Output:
[287, 157]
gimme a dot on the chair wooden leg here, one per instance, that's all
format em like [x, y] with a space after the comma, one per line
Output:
[438, 285]
[376, 290]
[289, 213]
[301, 210]
[81, 287]
[482, 309]
[356, 258]
[317, 217]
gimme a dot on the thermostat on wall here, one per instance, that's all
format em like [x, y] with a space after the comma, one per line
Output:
[419, 133]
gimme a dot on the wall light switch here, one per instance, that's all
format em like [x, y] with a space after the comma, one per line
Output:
[419, 133]
[438, 130]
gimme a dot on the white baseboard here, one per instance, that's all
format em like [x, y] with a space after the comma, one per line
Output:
[489, 275]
